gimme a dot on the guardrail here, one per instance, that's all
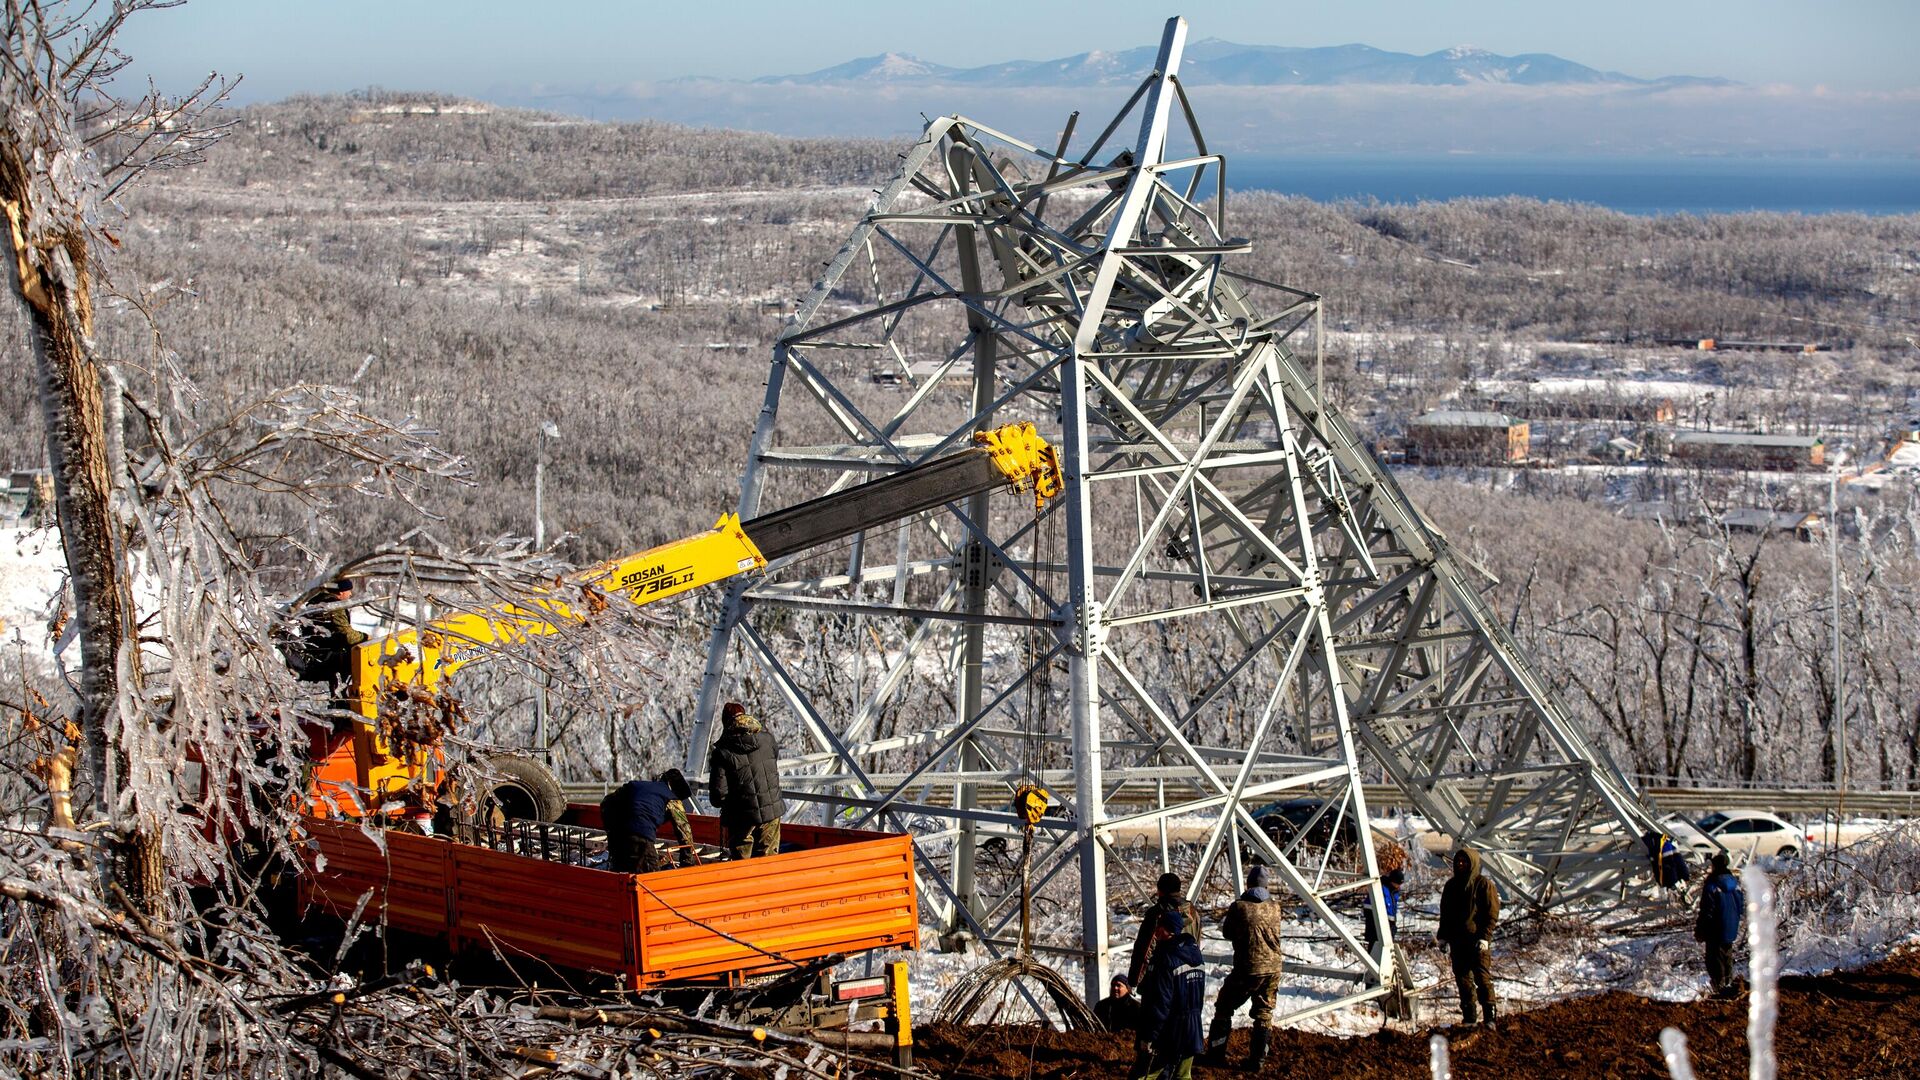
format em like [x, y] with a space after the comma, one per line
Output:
[1687, 800]
[1789, 800]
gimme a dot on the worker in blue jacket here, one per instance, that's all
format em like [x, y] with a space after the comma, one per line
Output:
[1391, 885]
[1722, 908]
[1172, 1000]
[632, 814]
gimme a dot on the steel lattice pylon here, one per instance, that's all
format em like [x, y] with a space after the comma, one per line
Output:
[1245, 605]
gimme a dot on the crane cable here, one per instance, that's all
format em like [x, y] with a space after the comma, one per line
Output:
[1030, 798]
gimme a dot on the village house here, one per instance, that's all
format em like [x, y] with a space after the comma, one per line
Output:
[1462, 437]
[1747, 450]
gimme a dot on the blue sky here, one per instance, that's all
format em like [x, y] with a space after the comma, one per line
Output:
[468, 46]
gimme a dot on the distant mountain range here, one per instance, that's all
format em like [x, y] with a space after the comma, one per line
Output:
[1226, 63]
[1269, 99]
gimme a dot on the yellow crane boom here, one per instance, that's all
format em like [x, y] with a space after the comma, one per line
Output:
[417, 659]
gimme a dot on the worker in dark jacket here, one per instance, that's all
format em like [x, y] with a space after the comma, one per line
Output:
[745, 784]
[1722, 907]
[1252, 924]
[1119, 1010]
[1172, 999]
[324, 652]
[1166, 897]
[1469, 906]
[632, 814]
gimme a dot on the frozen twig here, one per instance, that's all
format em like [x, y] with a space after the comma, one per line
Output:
[1763, 1001]
[1673, 1047]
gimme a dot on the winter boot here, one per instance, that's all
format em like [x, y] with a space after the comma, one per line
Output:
[1257, 1057]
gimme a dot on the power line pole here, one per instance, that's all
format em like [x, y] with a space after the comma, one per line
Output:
[548, 430]
[1839, 671]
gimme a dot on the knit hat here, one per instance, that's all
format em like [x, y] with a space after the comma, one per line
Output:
[676, 782]
[1721, 863]
[1173, 922]
[1169, 884]
[1257, 878]
[731, 711]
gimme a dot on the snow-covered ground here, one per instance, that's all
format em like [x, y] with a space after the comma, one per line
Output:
[1842, 908]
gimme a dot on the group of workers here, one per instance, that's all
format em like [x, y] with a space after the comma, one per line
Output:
[1170, 978]
[743, 784]
[1167, 969]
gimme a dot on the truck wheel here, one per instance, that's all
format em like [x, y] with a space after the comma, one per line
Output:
[525, 789]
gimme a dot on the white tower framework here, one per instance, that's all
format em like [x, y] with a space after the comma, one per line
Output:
[1232, 604]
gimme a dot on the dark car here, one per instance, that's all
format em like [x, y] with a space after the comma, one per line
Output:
[1310, 821]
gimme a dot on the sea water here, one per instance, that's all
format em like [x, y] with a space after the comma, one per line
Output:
[1634, 185]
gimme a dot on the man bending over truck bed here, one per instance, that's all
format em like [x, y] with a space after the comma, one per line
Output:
[632, 813]
[745, 785]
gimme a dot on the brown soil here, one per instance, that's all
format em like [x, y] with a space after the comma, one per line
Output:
[1856, 1024]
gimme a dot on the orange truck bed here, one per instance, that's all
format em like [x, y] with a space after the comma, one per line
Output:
[829, 891]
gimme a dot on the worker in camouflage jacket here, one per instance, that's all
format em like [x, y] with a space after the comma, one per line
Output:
[1469, 906]
[744, 785]
[323, 652]
[1252, 925]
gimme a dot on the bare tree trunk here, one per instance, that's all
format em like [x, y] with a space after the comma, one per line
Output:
[54, 283]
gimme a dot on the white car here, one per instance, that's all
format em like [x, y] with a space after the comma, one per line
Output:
[1754, 833]
[1686, 837]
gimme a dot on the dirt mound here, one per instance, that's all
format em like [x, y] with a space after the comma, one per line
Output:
[1858, 1024]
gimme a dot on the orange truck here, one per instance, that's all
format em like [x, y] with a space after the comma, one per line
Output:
[516, 890]
[521, 886]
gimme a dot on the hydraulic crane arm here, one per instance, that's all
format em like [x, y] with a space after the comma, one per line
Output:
[1012, 456]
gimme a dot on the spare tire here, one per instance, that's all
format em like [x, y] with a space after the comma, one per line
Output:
[523, 788]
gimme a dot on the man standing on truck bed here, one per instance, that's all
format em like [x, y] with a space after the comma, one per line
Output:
[323, 652]
[745, 784]
[632, 813]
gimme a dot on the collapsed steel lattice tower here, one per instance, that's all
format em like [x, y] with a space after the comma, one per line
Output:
[1246, 606]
